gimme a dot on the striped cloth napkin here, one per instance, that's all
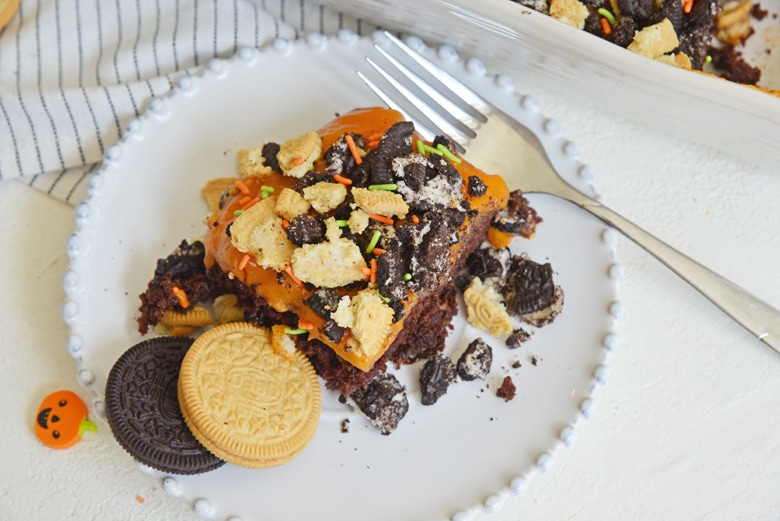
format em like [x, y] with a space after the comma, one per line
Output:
[73, 73]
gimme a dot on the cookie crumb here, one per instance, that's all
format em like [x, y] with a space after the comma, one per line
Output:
[517, 338]
[508, 390]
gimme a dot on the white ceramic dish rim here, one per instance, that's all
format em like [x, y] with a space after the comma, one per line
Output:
[78, 282]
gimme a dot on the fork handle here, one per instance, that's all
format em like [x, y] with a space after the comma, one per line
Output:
[752, 313]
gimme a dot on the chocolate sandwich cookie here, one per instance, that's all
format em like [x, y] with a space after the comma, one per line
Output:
[142, 406]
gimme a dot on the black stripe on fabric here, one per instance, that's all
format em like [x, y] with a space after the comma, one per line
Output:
[215, 29]
[156, 38]
[118, 41]
[94, 122]
[235, 26]
[303, 15]
[56, 181]
[100, 42]
[13, 138]
[195, 34]
[80, 43]
[62, 89]
[40, 91]
[175, 34]
[75, 127]
[132, 99]
[257, 24]
[80, 180]
[20, 14]
[58, 27]
[322, 19]
[139, 28]
[113, 111]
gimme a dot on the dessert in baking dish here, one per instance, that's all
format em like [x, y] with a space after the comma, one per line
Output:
[686, 33]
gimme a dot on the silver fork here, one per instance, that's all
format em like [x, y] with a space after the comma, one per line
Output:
[439, 104]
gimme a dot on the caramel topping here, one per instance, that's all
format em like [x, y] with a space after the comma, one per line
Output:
[281, 289]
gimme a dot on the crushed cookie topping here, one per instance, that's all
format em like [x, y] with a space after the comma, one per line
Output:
[290, 204]
[258, 231]
[372, 218]
[297, 155]
[380, 202]
[485, 309]
[252, 163]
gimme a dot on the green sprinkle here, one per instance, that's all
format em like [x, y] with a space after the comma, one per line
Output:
[607, 14]
[407, 277]
[342, 223]
[266, 188]
[387, 300]
[299, 331]
[433, 150]
[422, 148]
[707, 59]
[386, 186]
[238, 212]
[264, 195]
[446, 153]
[374, 241]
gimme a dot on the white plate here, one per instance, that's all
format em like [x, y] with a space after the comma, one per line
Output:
[736, 119]
[466, 453]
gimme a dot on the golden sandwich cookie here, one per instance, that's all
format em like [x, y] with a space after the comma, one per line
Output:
[246, 402]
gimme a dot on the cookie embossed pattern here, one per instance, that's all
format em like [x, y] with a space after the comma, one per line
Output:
[145, 199]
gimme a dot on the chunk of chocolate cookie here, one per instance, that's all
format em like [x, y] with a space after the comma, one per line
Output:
[383, 402]
[476, 360]
[435, 378]
[142, 407]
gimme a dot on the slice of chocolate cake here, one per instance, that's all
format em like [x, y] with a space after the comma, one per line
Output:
[346, 240]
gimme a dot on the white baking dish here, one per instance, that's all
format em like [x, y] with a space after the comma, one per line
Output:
[734, 118]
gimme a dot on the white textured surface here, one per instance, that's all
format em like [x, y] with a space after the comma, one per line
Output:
[686, 426]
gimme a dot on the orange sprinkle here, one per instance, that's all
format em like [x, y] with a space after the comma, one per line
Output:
[305, 324]
[353, 148]
[380, 218]
[181, 296]
[372, 144]
[366, 271]
[341, 179]
[378, 251]
[295, 279]
[605, 26]
[244, 200]
[244, 261]
[687, 6]
[372, 277]
[297, 161]
[244, 189]
[140, 499]
[415, 219]
[285, 223]
[250, 204]
[375, 137]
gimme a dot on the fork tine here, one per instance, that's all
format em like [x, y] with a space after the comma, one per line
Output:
[458, 89]
[423, 126]
[429, 114]
[464, 120]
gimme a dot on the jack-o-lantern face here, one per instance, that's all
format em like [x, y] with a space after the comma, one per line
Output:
[61, 420]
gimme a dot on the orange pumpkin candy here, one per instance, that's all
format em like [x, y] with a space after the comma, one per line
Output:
[62, 419]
